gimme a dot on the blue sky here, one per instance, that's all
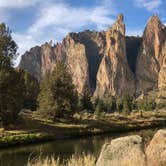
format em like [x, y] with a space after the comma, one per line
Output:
[34, 22]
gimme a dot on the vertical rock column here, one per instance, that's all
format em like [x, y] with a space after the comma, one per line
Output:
[114, 75]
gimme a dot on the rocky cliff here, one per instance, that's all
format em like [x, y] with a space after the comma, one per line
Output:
[151, 56]
[31, 62]
[114, 75]
[108, 61]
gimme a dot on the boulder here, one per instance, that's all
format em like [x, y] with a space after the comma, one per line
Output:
[124, 151]
[156, 150]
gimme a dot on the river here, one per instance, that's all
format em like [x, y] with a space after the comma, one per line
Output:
[18, 156]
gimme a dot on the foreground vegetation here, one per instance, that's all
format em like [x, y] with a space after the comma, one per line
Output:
[75, 160]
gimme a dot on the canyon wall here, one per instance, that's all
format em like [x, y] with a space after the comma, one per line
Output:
[107, 62]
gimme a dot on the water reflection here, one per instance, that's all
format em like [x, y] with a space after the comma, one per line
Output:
[18, 156]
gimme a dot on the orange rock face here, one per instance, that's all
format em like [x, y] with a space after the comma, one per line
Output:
[156, 151]
[151, 56]
[107, 62]
[114, 75]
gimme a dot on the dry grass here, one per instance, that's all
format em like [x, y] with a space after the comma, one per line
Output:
[84, 160]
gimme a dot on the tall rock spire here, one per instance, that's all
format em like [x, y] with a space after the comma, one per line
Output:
[114, 75]
[150, 58]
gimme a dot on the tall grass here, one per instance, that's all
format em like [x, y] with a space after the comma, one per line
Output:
[75, 160]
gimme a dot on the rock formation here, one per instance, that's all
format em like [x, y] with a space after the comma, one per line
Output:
[162, 72]
[74, 56]
[129, 151]
[114, 75]
[156, 151]
[81, 52]
[151, 56]
[31, 62]
[94, 43]
[123, 151]
[106, 62]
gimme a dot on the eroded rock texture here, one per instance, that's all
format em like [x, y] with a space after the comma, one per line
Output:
[123, 151]
[151, 56]
[31, 62]
[156, 151]
[106, 62]
[114, 75]
[131, 151]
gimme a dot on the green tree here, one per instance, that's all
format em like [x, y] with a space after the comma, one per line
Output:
[110, 103]
[31, 90]
[119, 104]
[58, 97]
[11, 95]
[140, 106]
[11, 83]
[127, 103]
[99, 107]
[8, 47]
[146, 104]
[85, 99]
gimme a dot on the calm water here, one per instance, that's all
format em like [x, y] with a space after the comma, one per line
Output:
[18, 156]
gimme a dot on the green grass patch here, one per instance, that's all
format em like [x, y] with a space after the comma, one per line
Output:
[23, 139]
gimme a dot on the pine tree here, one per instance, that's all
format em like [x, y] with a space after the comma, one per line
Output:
[31, 91]
[127, 103]
[58, 97]
[85, 99]
[99, 107]
[11, 83]
[11, 95]
[8, 47]
[110, 103]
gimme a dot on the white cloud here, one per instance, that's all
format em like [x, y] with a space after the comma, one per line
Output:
[64, 16]
[149, 5]
[17, 3]
[55, 20]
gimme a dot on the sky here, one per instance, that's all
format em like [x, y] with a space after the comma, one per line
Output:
[34, 22]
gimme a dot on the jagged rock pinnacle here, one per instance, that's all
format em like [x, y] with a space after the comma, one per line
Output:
[120, 18]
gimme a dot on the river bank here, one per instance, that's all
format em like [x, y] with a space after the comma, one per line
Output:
[33, 129]
[64, 149]
[128, 150]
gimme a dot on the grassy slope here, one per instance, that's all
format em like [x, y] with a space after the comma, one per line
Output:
[33, 129]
